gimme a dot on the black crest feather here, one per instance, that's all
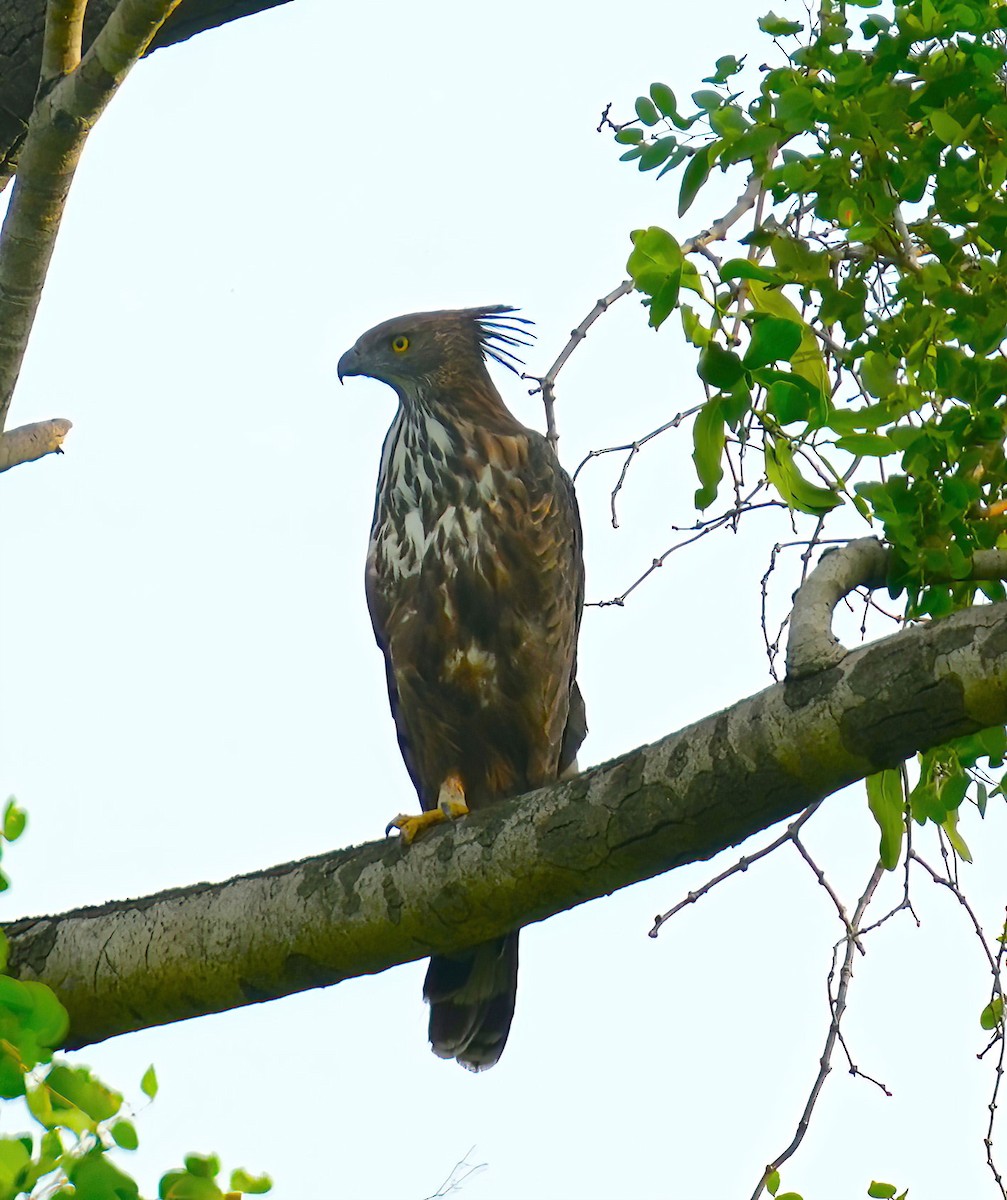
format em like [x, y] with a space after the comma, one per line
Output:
[499, 330]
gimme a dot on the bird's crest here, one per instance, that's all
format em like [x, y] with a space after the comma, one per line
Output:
[499, 329]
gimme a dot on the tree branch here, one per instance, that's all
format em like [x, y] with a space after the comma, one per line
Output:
[29, 442]
[21, 41]
[57, 130]
[136, 963]
[717, 231]
[812, 646]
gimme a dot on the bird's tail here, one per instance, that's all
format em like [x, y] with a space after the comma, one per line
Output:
[471, 997]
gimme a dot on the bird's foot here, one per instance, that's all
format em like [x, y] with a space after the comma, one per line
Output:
[450, 804]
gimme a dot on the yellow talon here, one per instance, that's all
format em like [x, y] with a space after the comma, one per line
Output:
[409, 827]
[450, 804]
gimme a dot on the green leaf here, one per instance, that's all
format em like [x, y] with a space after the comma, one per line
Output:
[31, 1017]
[695, 331]
[664, 98]
[180, 1185]
[647, 111]
[794, 489]
[629, 137]
[205, 1166]
[94, 1177]
[726, 66]
[886, 801]
[14, 820]
[787, 402]
[707, 100]
[78, 1087]
[655, 266]
[866, 445]
[718, 367]
[958, 844]
[946, 127]
[744, 268]
[773, 1182]
[881, 1191]
[879, 374]
[694, 176]
[778, 26]
[994, 744]
[124, 1135]
[808, 361]
[774, 339]
[148, 1084]
[14, 1157]
[992, 1015]
[709, 436]
[256, 1185]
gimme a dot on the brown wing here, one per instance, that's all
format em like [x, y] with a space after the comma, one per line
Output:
[480, 640]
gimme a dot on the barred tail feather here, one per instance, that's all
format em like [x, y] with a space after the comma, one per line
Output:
[471, 998]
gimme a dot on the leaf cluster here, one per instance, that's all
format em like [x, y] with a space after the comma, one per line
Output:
[857, 352]
[78, 1120]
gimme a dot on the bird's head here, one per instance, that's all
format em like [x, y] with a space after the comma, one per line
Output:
[437, 352]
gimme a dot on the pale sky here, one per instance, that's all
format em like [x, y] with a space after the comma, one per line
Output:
[191, 686]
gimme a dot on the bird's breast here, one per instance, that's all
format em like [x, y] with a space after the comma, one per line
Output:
[439, 502]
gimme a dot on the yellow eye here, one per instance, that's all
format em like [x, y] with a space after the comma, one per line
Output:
[400, 344]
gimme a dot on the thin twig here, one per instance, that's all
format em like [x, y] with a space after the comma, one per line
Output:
[547, 382]
[702, 530]
[820, 876]
[633, 449]
[461, 1171]
[742, 865]
[838, 1009]
[995, 965]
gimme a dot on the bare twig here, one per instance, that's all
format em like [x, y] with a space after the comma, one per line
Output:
[547, 382]
[633, 449]
[838, 1009]
[742, 865]
[995, 965]
[456, 1177]
[820, 876]
[701, 530]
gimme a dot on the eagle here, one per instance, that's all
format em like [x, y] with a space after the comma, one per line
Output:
[475, 586]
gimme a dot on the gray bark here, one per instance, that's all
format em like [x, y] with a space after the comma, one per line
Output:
[21, 29]
[137, 963]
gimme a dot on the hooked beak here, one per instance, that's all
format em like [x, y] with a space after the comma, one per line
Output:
[349, 364]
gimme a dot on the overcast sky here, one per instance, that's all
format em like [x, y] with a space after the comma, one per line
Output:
[191, 689]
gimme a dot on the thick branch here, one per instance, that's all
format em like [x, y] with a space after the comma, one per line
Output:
[59, 125]
[21, 41]
[136, 963]
[29, 442]
[812, 646]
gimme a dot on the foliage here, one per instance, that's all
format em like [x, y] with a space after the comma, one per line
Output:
[78, 1119]
[856, 352]
[853, 360]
